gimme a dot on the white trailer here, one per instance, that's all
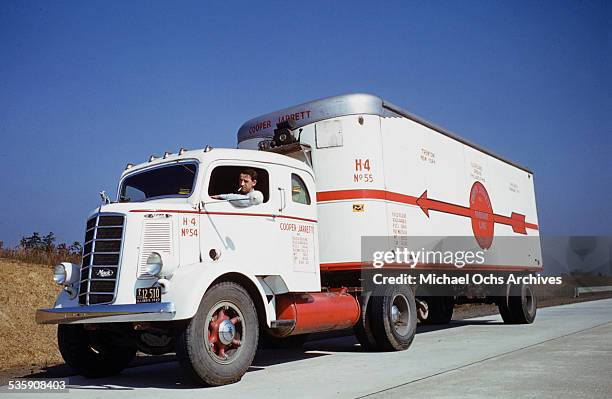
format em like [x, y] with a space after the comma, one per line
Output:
[381, 167]
[170, 267]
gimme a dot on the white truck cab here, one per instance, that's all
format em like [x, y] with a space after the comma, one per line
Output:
[178, 264]
[164, 207]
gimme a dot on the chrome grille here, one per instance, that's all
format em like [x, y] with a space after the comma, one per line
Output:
[101, 258]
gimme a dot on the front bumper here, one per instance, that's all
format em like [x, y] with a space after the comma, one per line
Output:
[107, 313]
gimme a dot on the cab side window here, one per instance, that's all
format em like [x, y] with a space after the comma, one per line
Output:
[225, 180]
[299, 192]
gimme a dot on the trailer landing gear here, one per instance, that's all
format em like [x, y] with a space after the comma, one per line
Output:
[439, 309]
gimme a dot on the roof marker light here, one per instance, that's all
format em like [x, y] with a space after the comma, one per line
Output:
[182, 151]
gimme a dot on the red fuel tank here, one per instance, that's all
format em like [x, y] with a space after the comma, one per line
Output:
[317, 311]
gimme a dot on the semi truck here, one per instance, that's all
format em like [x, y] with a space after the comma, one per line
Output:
[171, 266]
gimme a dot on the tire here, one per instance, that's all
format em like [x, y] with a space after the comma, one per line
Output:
[394, 318]
[207, 355]
[363, 328]
[519, 306]
[523, 304]
[504, 309]
[440, 309]
[92, 354]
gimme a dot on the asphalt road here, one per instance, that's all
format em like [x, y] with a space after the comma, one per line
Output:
[567, 352]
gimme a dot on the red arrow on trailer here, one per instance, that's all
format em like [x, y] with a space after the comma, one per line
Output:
[516, 220]
[480, 210]
[428, 204]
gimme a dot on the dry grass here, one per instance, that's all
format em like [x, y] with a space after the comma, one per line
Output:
[39, 257]
[23, 343]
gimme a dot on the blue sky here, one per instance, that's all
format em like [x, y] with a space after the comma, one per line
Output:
[86, 87]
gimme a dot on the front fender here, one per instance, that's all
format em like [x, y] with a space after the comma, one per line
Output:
[190, 282]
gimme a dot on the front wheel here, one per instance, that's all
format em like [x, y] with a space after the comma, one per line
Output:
[219, 344]
[92, 354]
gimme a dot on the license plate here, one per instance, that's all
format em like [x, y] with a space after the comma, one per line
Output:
[148, 295]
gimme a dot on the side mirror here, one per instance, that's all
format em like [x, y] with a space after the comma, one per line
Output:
[255, 197]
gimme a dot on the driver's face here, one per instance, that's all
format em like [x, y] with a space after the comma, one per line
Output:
[246, 183]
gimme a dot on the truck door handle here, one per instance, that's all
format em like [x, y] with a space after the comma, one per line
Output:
[283, 202]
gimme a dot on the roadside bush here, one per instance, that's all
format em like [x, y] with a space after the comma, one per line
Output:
[42, 249]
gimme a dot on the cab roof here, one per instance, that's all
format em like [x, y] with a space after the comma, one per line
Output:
[201, 155]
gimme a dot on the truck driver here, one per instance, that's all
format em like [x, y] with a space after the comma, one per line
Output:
[247, 181]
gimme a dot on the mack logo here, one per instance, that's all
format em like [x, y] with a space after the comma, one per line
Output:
[104, 273]
[158, 215]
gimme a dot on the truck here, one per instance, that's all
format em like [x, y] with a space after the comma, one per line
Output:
[168, 266]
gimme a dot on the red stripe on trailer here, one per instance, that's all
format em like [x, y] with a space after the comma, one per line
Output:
[516, 220]
[343, 195]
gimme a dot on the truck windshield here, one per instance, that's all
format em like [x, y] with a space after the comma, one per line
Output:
[166, 181]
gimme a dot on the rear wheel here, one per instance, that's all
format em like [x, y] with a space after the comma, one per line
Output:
[504, 309]
[92, 354]
[519, 306]
[394, 318]
[219, 344]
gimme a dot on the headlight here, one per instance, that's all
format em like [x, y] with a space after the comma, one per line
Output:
[66, 273]
[154, 264]
[60, 274]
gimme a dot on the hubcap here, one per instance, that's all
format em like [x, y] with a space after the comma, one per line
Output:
[400, 314]
[225, 332]
[395, 314]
